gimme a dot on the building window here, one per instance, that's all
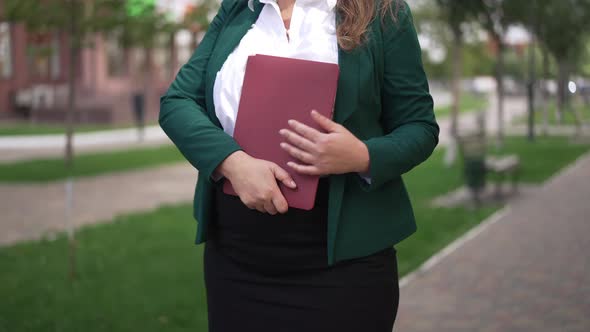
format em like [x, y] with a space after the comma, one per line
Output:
[116, 55]
[138, 62]
[162, 59]
[43, 54]
[5, 51]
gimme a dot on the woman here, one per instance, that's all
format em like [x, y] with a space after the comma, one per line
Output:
[269, 267]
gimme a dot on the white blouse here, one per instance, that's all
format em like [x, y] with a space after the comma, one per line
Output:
[312, 36]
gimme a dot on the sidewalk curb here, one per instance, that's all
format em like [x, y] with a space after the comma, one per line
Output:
[81, 139]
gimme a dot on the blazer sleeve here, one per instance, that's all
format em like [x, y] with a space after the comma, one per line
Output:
[407, 115]
[183, 115]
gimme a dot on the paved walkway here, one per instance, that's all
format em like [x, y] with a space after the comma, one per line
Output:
[14, 148]
[528, 270]
[29, 211]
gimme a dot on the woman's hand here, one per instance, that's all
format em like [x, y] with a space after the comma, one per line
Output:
[255, 181]
[335, 152]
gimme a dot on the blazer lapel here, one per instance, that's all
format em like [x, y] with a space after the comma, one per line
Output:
[229, 37]
[348, 82]
[348, 85]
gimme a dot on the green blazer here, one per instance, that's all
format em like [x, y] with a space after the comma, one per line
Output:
[382, 97]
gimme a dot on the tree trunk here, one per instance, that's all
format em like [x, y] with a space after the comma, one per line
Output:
[69, 151]
[84, 116]
[195, 39]
[546, 76]
[531, 88]
[173, 55]
[563, 96]
[146, 92]
[149, 76]
[562, 88]
[457, 54]
[500, 92]
[70, 114]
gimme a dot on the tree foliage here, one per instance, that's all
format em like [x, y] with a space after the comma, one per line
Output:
[78, 17]
[143, 23]
[563, 26]
[456, 13]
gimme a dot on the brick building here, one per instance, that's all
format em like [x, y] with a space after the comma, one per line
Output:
[34, 70]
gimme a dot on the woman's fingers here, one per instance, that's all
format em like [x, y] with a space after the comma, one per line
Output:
[262, 205]
[326, 123]
[279, 202]
[260, 208]
[283, 176]
[305, 157]
[304, 130]
[269, 207]
[298, 140]
[305, 169]
[257, 186]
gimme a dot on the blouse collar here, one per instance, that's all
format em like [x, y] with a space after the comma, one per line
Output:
[331, 3]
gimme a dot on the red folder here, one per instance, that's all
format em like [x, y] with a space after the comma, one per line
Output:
[277, 89]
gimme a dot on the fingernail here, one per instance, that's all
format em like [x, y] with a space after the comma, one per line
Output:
[291, 122]
[293, 184]
[282, 131]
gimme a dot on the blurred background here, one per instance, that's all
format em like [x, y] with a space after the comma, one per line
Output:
[96, 227]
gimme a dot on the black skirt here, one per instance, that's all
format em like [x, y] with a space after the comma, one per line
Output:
[270, 273]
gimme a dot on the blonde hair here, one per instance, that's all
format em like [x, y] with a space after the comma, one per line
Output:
[356, 15]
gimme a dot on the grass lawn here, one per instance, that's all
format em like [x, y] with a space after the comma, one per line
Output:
[143, 273]
[24, 128]
[469, 103]
[542, 159]
[89, 164]
[568, 116]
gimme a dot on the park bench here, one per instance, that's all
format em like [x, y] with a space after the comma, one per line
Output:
[477, 166]
[501, 167]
